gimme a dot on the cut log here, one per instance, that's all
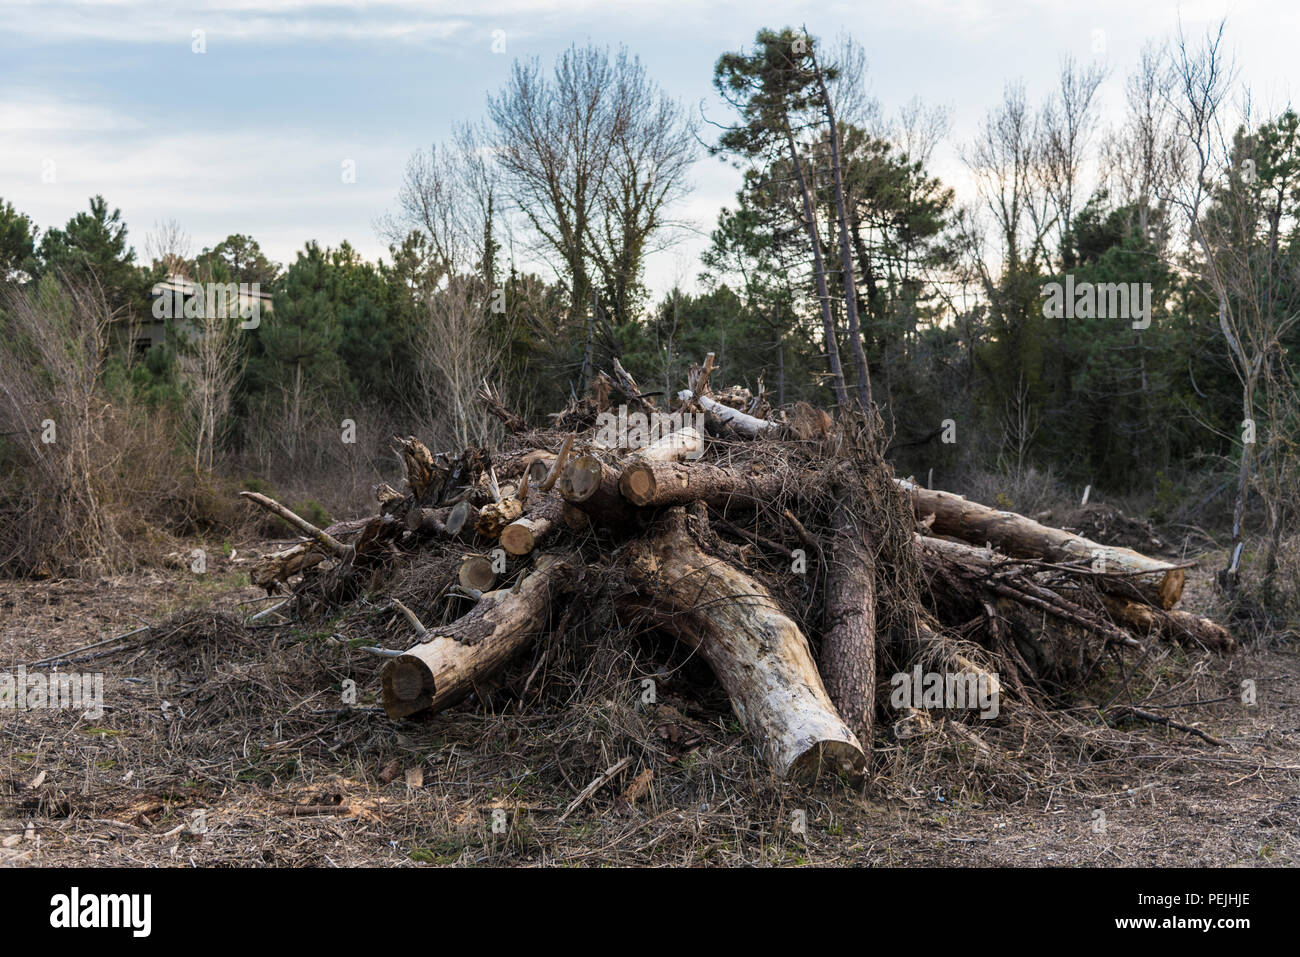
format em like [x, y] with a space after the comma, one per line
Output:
[428, 521]
[458, 657]
[462, 519]
[1119, 570]
[476, 573]
[758, 654]
[524, 534]
[575, 518]
[848, 648]
[592, 486]
[677, 483]
[538, 470]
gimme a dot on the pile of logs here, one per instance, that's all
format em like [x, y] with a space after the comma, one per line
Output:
[688, 519]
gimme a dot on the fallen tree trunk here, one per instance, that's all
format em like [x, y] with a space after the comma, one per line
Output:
[678, 483]
[1179, 626]
[455, 659]
[1119, 570]
[759, 654]
[324, 540]
[997, 575]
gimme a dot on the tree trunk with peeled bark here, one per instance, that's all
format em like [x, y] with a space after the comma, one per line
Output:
[1121, 570]
[686, 443]
[759, 655]
[744, 423]
[443, 670]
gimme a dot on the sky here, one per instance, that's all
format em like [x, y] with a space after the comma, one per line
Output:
[258, 132]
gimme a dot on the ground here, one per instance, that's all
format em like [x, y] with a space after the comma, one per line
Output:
[141, 786]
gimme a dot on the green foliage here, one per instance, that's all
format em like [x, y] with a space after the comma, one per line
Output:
[314, 512]
[237, 258]
[340, 327]
[92, 248]
[17, 241]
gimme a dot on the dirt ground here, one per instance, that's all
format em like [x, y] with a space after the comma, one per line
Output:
[167, 777]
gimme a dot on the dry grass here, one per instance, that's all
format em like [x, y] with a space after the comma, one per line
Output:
[248, 726]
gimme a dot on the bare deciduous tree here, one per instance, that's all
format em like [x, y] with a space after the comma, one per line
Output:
[1242, 277]
[448, 198]
[1006, 162]
[1144, 155]
[592, 155]
[169, 245]
[1066, 125]
[652, 149]
[51, 379]
[211, 358]
[454, 354]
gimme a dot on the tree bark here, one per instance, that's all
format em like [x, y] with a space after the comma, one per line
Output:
[846, 255]
[592, 486]
[1124, 571]
[437, 673]
[428, 521]
[819, 270]
[759, 655]
[848, 649]
[521, 536]
[677, 483]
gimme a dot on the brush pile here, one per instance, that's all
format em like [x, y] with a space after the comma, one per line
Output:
[775, 544]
